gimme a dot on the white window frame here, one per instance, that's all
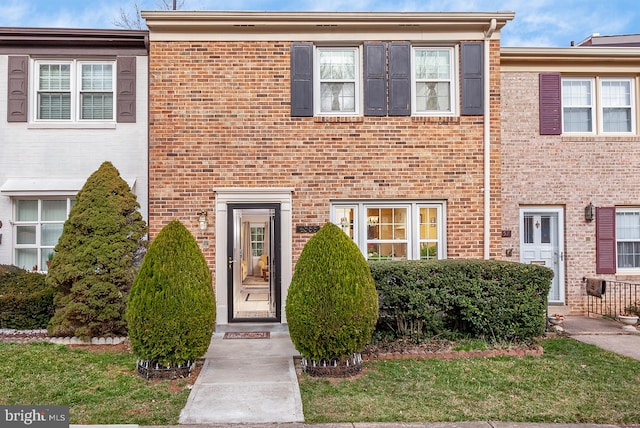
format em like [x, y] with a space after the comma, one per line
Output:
[591, 107]
[413, 239]
[631, 106]
[358, 81]
[38, 245]
[619, 269]
[75, 90]
[453, 81]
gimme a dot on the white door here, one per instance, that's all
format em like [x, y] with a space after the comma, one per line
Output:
[541, 242]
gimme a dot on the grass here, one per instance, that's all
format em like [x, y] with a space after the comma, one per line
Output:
[99, 387]
[571, 383]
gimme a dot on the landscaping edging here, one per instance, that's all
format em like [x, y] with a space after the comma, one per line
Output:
[28, 336]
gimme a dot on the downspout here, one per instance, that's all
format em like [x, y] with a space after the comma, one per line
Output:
[487, 139]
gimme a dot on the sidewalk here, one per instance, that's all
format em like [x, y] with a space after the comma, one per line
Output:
[605, 334]
[246, 380]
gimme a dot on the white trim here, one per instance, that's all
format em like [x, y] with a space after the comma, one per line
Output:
[35, 187]
[224, 196]
[592, 107]
[453, 81]
[560, 238]
[358, 81]
[631, 106]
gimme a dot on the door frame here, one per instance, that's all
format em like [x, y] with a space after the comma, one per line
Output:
[225, 196]
[559, 211]
[274, 274]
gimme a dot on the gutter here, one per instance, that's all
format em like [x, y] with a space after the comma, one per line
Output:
[486, 140]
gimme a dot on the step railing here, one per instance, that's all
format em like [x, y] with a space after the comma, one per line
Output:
[611, 298]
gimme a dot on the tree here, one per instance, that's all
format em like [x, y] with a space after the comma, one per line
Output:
[172, 311]
[332, 303]
[132, 20]
[96, 257]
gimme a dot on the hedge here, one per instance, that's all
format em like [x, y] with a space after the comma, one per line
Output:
[26, 302]
[489, 299]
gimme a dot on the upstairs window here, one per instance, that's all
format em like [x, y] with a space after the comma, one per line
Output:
[577, 105]
[433, 74]
[74, 91]
[616, 105]
[338, 80]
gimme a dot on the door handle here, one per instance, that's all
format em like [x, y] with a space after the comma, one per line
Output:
[230, 263]
[562, 256]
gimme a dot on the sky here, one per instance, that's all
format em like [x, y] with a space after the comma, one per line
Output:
[537, 22]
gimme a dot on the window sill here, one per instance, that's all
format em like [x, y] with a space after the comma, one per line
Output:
[338, 119]
[72, 125]
[439, 120]
[599, 138]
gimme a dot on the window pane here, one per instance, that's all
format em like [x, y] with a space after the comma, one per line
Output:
[337, 64]
[428, 223]
[545, 230]
[433, 96]
[27, 258]
[616, 93]
[54, 106]
[616, 120]
[97, 77]
[577, 120]
[432, 64]
[628, 254]
[576, 93]
[26, 210]
[50, 233]
[428, 250]
[55, 77]
[25, 235]
[337, 97]
[96, 106]
[54, 210]
[345, 219]
[44, 258]
[528, 229]
[628, 225]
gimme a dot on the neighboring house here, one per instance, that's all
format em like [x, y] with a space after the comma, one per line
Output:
[69, 100]
[263, 126]
[570, 162]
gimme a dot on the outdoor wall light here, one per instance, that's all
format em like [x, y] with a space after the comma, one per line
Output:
[589, 212]
[202, 221]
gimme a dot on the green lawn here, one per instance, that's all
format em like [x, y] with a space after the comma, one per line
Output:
[99, 387]
[571, 382]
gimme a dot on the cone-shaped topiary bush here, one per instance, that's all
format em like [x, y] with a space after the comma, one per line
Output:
[332, 304]
[95, 258]
[171, 311]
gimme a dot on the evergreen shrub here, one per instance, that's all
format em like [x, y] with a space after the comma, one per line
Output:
[171, 310]
[332, 304]
[489, 299]
[26, 302]
[96, 258]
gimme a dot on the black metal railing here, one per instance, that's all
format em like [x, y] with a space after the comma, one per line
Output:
[611, 298]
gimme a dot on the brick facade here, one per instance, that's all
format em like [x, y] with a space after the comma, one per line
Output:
[220, 118]
[565, 171]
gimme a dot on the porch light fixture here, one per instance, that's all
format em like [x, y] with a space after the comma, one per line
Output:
[589, 212]
[202, 221]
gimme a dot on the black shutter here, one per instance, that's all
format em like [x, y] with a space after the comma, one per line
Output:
[550, 104]
[301, 79]
[17, 89]
[126, 87]
[606, 240]
[399, 79]
[472, 65]
[375, 79]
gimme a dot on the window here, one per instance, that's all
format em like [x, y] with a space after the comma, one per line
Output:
[614, 101]
[37, 228]
[433, 76]
[628, 238]
[257, 241]
[393, 230]
[577, 105]
[338, 80]
[616, 105]
[74, 91]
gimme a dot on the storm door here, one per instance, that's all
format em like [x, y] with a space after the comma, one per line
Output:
[253, 262]
[542, 243]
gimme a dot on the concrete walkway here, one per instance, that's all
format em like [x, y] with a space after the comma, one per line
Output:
[606, 334]
[246, 380]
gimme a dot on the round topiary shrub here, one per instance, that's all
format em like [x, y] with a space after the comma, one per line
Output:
[332, 304]
[171, 310]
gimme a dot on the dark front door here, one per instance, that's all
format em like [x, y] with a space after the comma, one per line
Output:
[253, 262]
